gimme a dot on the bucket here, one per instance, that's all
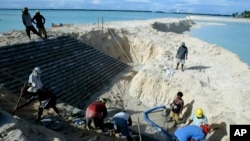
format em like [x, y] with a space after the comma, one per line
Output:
[165, 112]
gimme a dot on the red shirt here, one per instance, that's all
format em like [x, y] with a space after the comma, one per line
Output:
[96, 109]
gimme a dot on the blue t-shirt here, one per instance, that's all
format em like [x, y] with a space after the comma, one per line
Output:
[182, 52]
[188, 132]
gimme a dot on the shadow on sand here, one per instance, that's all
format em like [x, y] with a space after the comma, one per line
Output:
[197, 68]
[188, 111]
[217, 132]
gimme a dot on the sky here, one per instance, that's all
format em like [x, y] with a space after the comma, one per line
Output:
[184, 6]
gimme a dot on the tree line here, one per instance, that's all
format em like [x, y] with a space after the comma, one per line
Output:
[245, 14]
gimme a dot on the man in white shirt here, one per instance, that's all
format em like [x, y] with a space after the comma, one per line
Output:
[44, 95]
[35, 81]
[121, 122]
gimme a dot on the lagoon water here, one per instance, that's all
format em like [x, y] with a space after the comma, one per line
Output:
[231, 35]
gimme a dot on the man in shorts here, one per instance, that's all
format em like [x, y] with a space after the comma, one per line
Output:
[181, 55]
[176, 108]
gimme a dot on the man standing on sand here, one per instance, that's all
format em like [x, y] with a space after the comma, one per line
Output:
[181, 55]
[26, 18]
[39, 20]
[176, 108]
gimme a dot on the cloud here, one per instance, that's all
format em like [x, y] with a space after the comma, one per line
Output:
[190, 6]
[142, 1]
[207, 7]
[193, 1]
[96, 1]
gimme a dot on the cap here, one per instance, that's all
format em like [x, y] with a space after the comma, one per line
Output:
[103, 100]
[205, 128]
[199, 112]
[183, 43]
[37, 69]
[37, 11]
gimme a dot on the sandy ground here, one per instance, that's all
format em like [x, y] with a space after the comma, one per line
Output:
[214, 79]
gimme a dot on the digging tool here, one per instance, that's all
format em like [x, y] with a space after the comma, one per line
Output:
[17, 79]
[21, 94]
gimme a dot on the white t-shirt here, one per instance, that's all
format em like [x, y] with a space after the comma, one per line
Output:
[122, 115]
[35, 81]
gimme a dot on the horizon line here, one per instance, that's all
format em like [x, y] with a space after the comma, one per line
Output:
[68, 9]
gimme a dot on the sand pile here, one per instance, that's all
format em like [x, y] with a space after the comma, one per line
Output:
[214, 78]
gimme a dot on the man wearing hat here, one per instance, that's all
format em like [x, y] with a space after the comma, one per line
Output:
[198, 118]
[181, 55]
[35, 89]
[96, 112]
[35, 82]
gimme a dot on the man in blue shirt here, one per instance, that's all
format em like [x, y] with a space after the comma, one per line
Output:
[198, 118]
[181, 55]
[192, 133]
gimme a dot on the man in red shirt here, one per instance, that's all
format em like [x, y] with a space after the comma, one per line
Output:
[96, 112]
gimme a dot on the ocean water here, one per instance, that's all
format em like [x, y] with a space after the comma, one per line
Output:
[11, 19]
[229, 34]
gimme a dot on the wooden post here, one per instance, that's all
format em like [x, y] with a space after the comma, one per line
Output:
[98, 21]
[139, 130]
[102, 22]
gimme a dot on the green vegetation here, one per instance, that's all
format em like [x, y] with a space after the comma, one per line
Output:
[245, 14]
[201, 14]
